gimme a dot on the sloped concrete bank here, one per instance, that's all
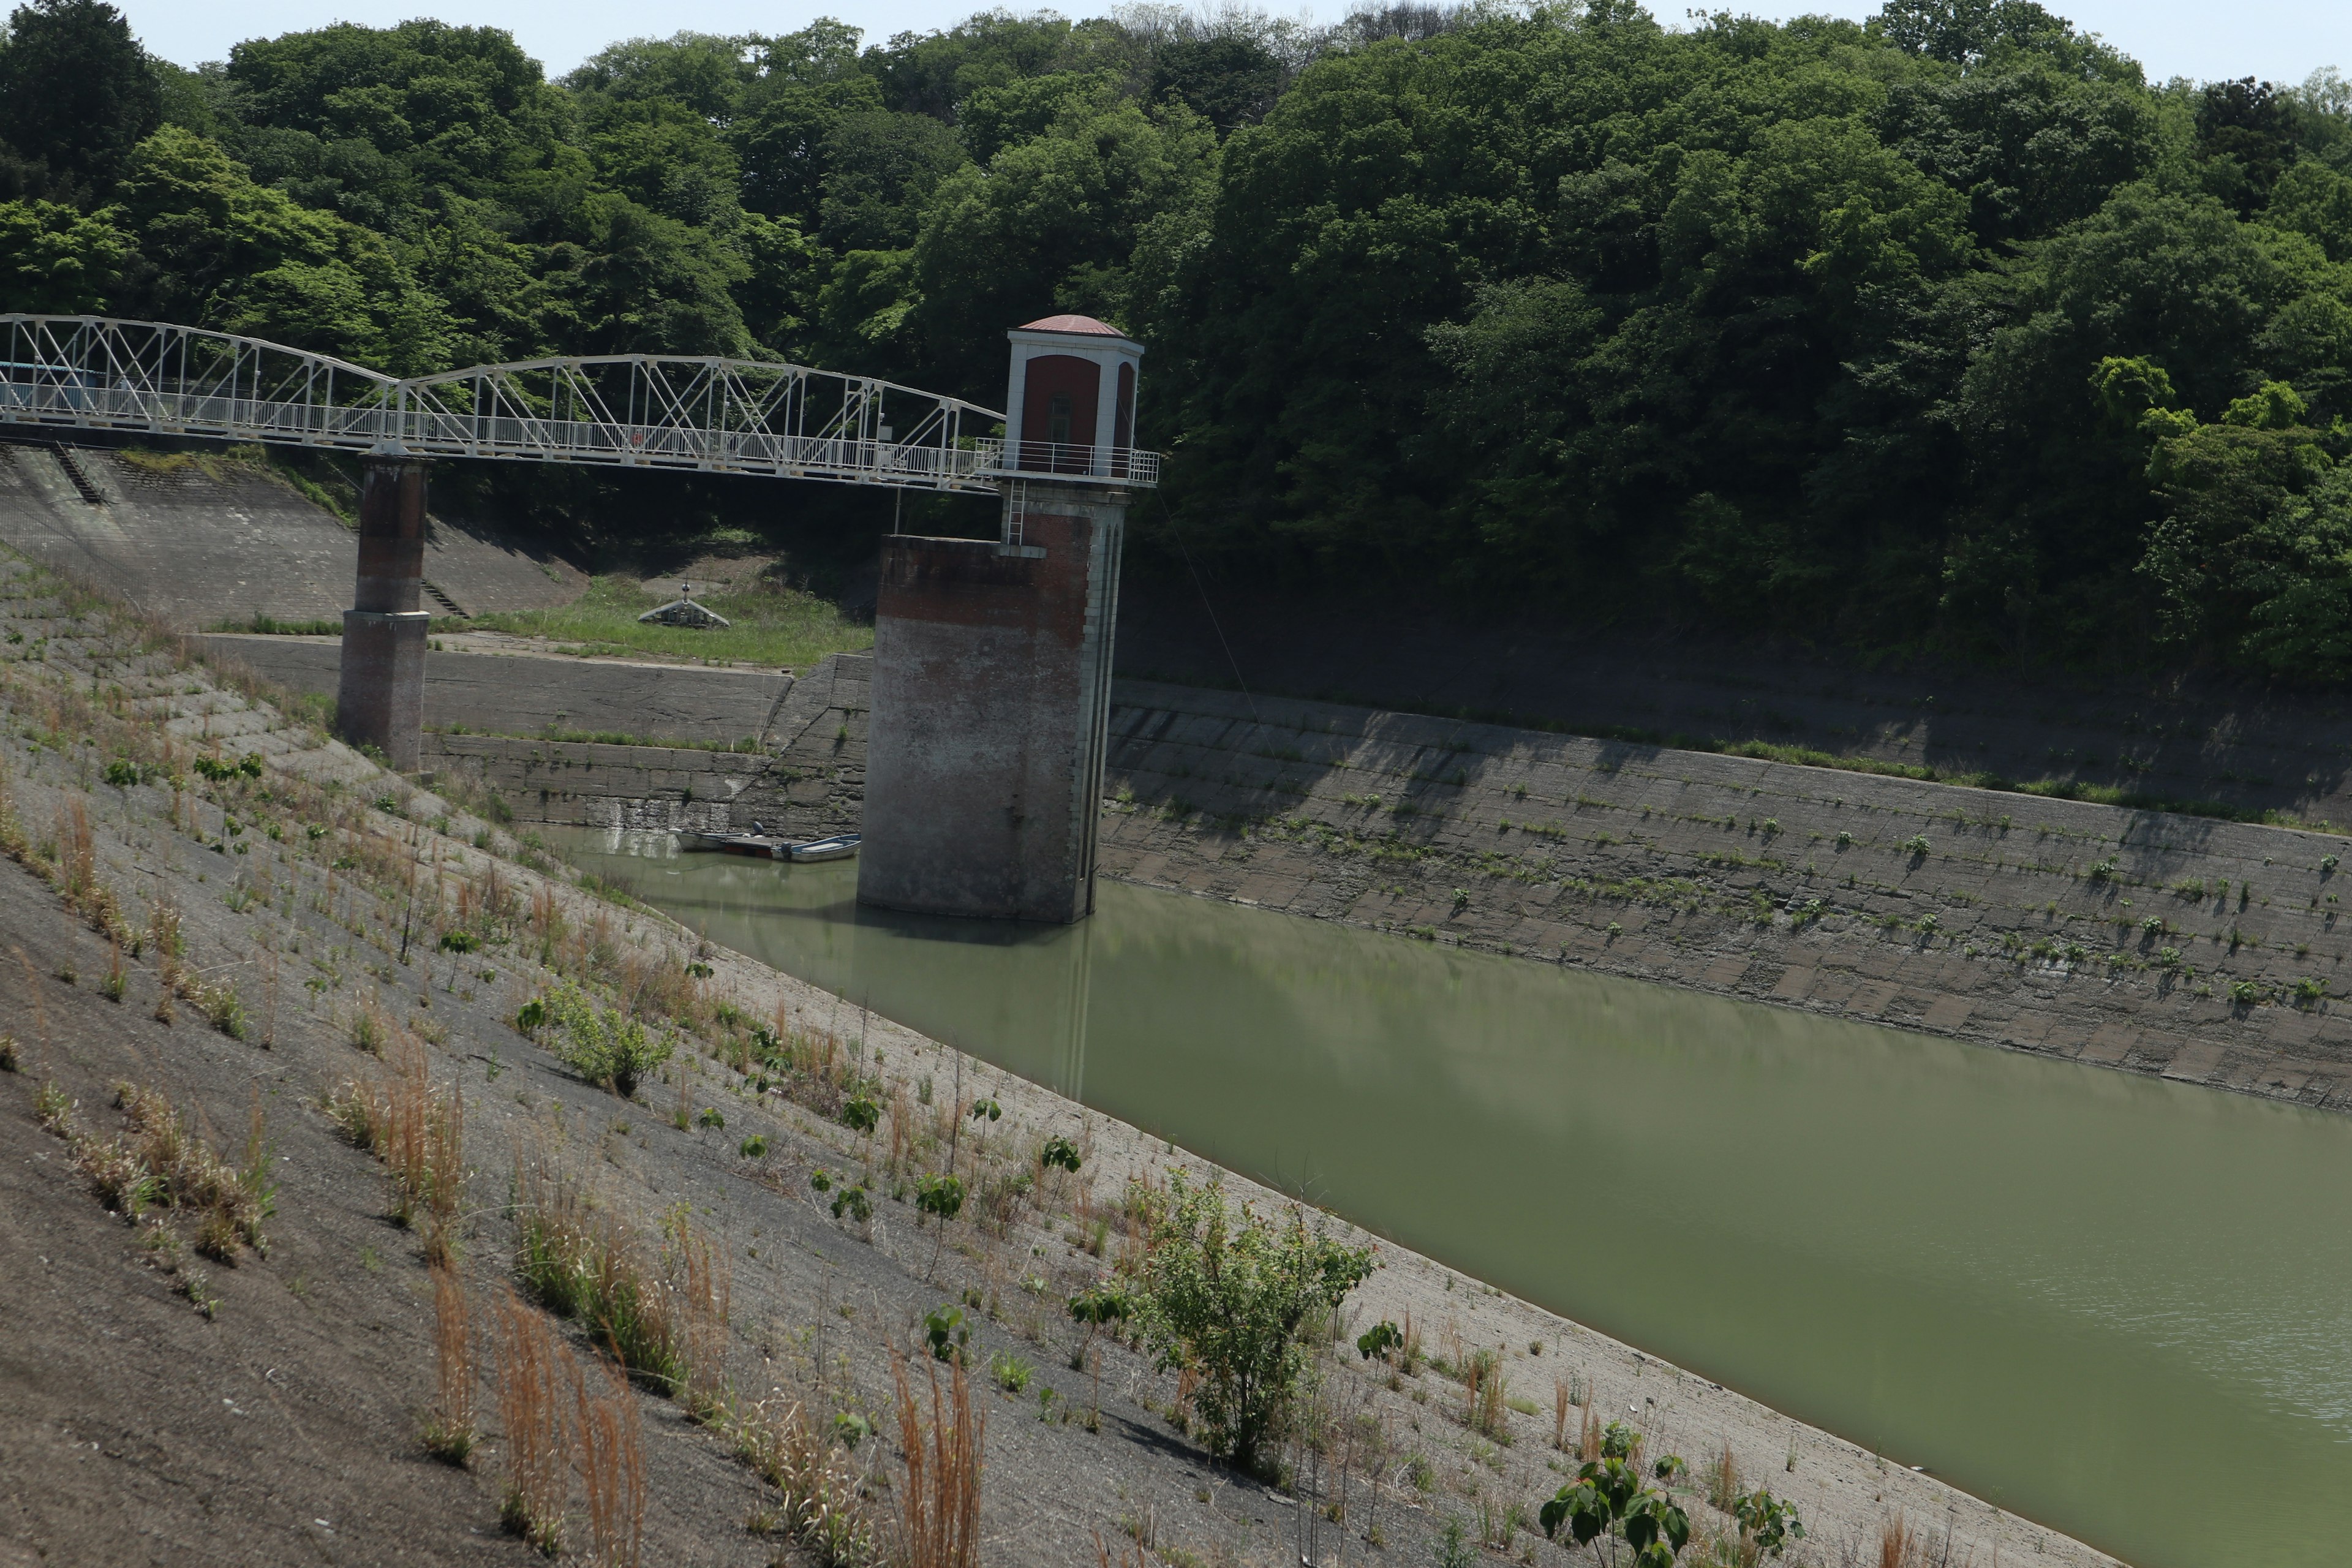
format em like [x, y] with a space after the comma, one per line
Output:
[2197, 949]
[195, 544]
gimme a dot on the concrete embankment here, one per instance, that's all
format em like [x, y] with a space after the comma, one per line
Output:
[194, 544]
[523, 692]
[2201, 950]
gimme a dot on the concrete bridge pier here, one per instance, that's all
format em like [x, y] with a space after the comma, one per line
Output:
[991, 707]
[380, 695]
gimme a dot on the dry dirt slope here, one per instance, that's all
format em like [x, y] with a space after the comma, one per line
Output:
[283, 1426]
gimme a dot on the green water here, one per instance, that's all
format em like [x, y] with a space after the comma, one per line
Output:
[2115, 1305]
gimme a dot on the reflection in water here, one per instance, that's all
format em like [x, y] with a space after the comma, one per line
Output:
[2099, 1299]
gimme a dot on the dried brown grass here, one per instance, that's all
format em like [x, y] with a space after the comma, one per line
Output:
[939, 1523]
[533, 1382]
[1898, 1546]
[1722, 1480]
[610, 1457]
[452, 1430]
[699, 1275]
[418, 1130]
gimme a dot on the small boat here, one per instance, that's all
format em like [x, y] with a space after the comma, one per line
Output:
[840, 846]
[766, 845]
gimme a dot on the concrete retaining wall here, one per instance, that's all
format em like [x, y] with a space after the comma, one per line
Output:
[2006, 919]
[524, 693]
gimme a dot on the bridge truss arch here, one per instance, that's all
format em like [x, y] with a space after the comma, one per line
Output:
[705, 413]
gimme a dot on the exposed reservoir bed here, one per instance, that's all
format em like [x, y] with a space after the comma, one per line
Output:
[2106, 1302]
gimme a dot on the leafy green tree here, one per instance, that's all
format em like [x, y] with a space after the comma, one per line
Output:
[651, 284]
[76, 92]
[2253, 562]
[809, 81]
[216, 250]
[55, 261]
[669, 159]
[1227, 1293]
[880, 169]
[1230, 81]
[1049, 225]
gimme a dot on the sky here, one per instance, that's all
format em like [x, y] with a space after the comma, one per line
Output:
[2280, 40]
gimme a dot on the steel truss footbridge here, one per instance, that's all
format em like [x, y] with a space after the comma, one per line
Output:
[703, 414]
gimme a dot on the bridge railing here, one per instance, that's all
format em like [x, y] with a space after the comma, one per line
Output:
[708, 414]
[74, 403]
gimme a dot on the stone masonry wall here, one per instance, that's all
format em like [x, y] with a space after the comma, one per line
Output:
[2162, 944]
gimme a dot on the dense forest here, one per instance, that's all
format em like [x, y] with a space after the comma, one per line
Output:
[1946, 331]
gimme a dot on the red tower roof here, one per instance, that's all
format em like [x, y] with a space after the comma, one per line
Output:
[1077, 326]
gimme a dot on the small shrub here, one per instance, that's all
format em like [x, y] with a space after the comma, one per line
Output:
[1768, 1523]
[1225, 1293]
[598, 1043]
[755, 1147]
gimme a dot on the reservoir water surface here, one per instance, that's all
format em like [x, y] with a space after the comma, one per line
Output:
[2120, 1305]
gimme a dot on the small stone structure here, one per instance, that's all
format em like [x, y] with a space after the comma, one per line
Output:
[683, 611]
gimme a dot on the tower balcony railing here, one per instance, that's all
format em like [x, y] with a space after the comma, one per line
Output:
[1069, 459]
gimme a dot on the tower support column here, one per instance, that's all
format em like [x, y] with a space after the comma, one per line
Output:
[992, 710]
[380, 696]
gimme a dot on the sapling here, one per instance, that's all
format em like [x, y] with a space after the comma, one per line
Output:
[946, 1332]
[1105, 1303]
[1608, 1502]
[941, 1197]
[1225, 1293]
[1767, 1521]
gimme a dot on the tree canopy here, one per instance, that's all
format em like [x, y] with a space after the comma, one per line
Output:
[1946, 329]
